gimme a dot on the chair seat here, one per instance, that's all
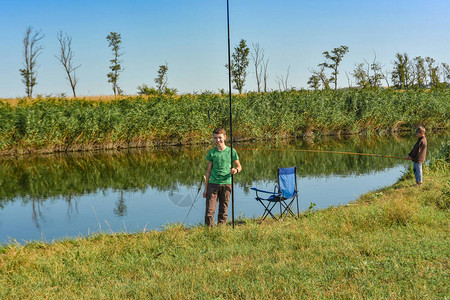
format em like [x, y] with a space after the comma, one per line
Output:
[272, 198]
[275, 198]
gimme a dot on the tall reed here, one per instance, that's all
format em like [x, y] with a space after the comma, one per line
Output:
[60, 124]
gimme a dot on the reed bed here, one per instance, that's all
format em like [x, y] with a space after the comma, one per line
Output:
[52, 124]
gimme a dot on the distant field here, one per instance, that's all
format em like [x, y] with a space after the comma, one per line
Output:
[103, 98]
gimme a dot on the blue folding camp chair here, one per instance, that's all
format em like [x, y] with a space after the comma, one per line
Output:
[284, 193]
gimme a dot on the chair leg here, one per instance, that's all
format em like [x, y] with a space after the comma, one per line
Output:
[287, 209]
[267, 211]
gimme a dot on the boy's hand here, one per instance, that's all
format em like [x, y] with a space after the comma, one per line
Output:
[233, 171]
[204, 193]
[408, 158]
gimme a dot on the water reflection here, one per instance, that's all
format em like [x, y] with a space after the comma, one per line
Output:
[121, 209]
[119, 183]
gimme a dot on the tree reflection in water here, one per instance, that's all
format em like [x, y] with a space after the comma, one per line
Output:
[40, 179]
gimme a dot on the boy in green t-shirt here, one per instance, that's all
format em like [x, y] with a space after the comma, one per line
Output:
[218, 178]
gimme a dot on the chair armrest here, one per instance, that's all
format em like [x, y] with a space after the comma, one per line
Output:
[276, 189]
[261, 191]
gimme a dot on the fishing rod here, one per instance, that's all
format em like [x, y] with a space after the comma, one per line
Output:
[231, 123]
[196, 197]
[209, 118]
[325, 151]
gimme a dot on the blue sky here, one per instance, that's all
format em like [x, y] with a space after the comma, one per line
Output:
[191, 36]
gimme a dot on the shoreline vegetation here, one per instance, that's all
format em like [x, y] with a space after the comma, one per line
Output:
[46, 125]
[390, 243]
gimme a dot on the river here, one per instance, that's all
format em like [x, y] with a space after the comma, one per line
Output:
[66, 195]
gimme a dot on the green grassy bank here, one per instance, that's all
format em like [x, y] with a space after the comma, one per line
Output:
[391, 243]
[48, 125]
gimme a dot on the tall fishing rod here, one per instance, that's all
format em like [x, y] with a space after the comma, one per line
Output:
[325, 151]
[231, 118]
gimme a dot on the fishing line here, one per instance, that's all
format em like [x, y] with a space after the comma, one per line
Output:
[196, 197]
[325, 151]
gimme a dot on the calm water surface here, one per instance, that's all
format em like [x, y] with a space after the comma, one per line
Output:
[67, 195]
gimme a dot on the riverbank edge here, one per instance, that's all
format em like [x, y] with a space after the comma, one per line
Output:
[158, 144]
[389, 242]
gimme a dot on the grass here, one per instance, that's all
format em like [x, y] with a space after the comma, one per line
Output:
[391, 243]
[52, 124]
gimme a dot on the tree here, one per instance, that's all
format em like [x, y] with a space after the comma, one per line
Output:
[377, 72]
[31, 51]
[433, 72]
[402, 74]
[369, 75]
[161, 80]
[318, 79]
[314, 82]
[115, 41]
[161, 84]
[258, 59]
[65, 56]
[361, 76]
[335, 57]
[446, 72]
[420, 72]
[239, 64]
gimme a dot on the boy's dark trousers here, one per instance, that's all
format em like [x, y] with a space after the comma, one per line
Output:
[216, 192]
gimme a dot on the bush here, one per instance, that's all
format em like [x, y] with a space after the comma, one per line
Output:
[440, 161]
[443, 201]
[146, 90]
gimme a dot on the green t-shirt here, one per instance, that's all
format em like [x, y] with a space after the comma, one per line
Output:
[220, 172]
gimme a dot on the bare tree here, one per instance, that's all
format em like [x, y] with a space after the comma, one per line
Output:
[258, 59]
[446, 72]
[283, 81]
[349, 82]
[31, 51]
[386, 78]
[264, 74]
[65, 57]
